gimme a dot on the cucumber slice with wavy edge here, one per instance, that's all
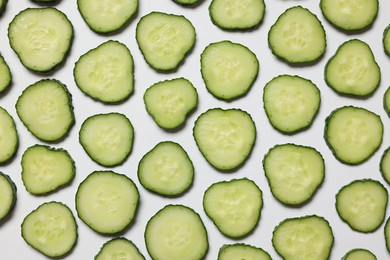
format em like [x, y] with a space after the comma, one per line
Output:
[362, 204]
[165, 39]
[353, 134]
[119, 248]
[41, 37]
[46, 169]
[9, 137]
[46, 109]
[359, 254]
[386, 40]
[234, 206]
[106, 73]
[176, 232]
[225, 137]
[308, 237]
[8, 196]
[228, 69]
[51, 229]
[5, 75]
[107, 201]
[242, 251]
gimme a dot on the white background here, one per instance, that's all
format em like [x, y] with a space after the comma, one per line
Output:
[148, 134]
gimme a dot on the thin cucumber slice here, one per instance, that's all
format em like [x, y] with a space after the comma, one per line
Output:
[3, 5]
[46, 109]
[5, 75]
[228, 69]
[170, 102]
[234, 206]
[242, 251]
[350, 15]
[237, 15]
[41, 37]
[8, 196]
[353, 134]
[165, 39]
[9, 137]
[225, 137]
[362, 204]
[107, 201]
[46, 169]
[291, 103]
[359, 254]
[107, 138]
[384, 165]
[294, 172]
[105, 16]
[386, 101]
[119, 248]
[353, 70]
[106, 73]
[305, 238]
[51, 229]
[386, 40]
[297, 36]
[387, 234]
[176, 232]
[166, 169]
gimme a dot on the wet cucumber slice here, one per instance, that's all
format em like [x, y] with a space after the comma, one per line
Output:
[119, 248]
[8, 196]
[242, 251]
[353, 70]
[359, 254]
[9, 137]
[5, 75]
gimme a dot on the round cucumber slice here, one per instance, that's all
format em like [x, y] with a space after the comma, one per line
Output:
[8, 196]
[9, 137]
[242, 251]
[386, 40]
[5, 75]
[359, 254]
[119, 248]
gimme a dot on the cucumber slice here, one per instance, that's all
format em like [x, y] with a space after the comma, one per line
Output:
[234, 206]
[386, 101]
[308, 237]
[294, 172]
[106, 73]
[105, 16]
[5, 75]
[119, 248]
[107, 201]
[237, 15]
[359, 254]
[166, 170]
[169, 102]
[51, 229]
[384, 165]
[297, 36]
[387, 234]
[225, 137]
[107, 138]
[362, 204]
[8, 196]
[350, 15]
[9, 138]
[386, 40]
[176, 232]
[242, 251]
[46, 109]
[353, 70]
[165, 39]
[291, 103]
[46, 169]
[3, 5]
[187, 2]
[46, 2]
[228, 69]
[41, 37]
[353, 134]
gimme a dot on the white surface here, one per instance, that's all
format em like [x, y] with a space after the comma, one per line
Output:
[147, 134]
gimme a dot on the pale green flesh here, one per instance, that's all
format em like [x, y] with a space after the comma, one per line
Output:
[228, 69]
[164, 39]
[5, 74]
[46, 169]
[8, 136]
[225, 137]
[170, 101]
[233, 14]
[242, 251]
[119, 249]
[353, 134]
[294, 172]
[234, 206]
[187, 2]
[107, 201]
[386, 101]
[385, 165]
[166, 169]
[107, 138]
[387, 234]
[350, 14]
[297, 36]
[45, 108]
[291, 102]
[359, 254]
[7, 196]
[51, 229]
[362, 205]
[353, 69]
[303, 238]
[176, 232]
[106, 72]
[41, 37]
[386, 40]
[104, 16]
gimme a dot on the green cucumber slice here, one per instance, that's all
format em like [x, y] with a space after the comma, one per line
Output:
[5, 75]
[386, 101]
[9, 137]
[119, 248]
[8, 196]
[359, 254]
[386, 40]
[242, 251]
[384, 165]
